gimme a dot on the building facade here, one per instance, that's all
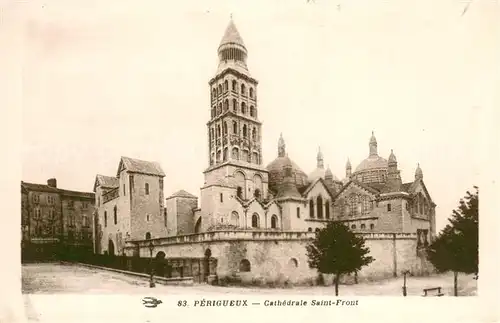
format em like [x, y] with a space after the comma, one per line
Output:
[129, 206]
[55, 223]
[256, 220]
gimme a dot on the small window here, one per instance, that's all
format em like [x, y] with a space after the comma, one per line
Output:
[309, 229]
[274, 222]
[389, 207]
[239, 192]
[363, 226]
[245, 265]
[147, 217]
[316, 230]
[124, 191]
[115, 214]
[148, 235]
[353, 227]
[255, 220]
[147, 188]
[372, 226]
[105, 219]
[298, 213]
[221, 198]
[256, 193]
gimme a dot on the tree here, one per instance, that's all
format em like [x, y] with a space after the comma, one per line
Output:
[456, 247]
[336, 250]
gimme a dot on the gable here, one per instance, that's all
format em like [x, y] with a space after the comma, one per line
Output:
[355, 188]
[317, 188]
[420, 187]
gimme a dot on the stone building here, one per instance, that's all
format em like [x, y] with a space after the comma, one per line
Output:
[129, 206]
[256, 220]
[55, 223]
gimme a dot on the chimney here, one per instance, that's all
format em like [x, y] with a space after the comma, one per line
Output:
[52, 182]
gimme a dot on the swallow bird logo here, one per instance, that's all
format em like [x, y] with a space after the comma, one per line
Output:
[151, 302]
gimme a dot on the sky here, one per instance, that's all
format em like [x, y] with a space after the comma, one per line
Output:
[105, 79]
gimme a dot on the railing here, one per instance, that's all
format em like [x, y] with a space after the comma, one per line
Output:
[110, 195]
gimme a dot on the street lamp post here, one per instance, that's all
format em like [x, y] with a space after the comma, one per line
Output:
[405, 272]
[151, 281]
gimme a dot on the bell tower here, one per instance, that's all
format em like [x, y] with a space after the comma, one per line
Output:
[234, 130]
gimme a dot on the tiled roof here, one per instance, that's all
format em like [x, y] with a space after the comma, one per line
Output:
[406, 187]
[39, 187]
[141, 166]
[182, 193]
[108, 181]
[50, 189]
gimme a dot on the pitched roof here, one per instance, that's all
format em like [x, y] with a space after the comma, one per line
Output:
[106, 181]
[314, 184]
[140, 166]
[182, 193]
[39, 187]
[407, 187]
[362, 185]
[50, 189]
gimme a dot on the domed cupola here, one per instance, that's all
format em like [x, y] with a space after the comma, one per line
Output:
[276, 169]
[374, 168]
[320, 170]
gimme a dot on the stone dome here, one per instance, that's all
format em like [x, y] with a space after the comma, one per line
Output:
[372, 163]
[276, 172]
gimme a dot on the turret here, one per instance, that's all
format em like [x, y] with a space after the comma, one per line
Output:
[418, 173]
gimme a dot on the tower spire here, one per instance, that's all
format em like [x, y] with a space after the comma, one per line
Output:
[319, 158]
[373, 145]
[281, 146]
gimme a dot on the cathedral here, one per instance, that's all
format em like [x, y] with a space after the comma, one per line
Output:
[256, 220]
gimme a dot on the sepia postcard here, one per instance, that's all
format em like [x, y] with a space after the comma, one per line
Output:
[228, 160]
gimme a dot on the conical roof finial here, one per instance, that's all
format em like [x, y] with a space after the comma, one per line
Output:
[373, 145]
[319, 158]
[418, 172]
[392, 157]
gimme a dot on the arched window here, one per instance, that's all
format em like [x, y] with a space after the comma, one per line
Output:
[372, 226]
[226, 104]
[235, 154]
[243, 89]
[239, 192]
[224, 154]
[363, 226]
[388, 207]
[327, 209]
[235, 218]
[316, 230]
[251, 92]
[226, 85]
[148, 235]
[115, 214]
[354, 205]
[235, 106]
[213, 113]
[293, 263]
[366, 205]
[274, 222]
[243, 108]
[319, 206]
[218, 156]
[353, 227]
[220, 89]
[214, 93]
[244, 131]
[146, 188]
[245, 266]
[219, 110]
[311, 209]
[254, 134]
[256, 193]
[252, 111]
[309, 229]
[224, 128]
[234, 85]
[218, 130]
[235, 127]
[255, 221]
[105, 219]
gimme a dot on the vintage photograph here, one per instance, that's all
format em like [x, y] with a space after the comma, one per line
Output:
[312, 148]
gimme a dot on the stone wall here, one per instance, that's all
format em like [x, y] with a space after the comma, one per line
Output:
[280, 257]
